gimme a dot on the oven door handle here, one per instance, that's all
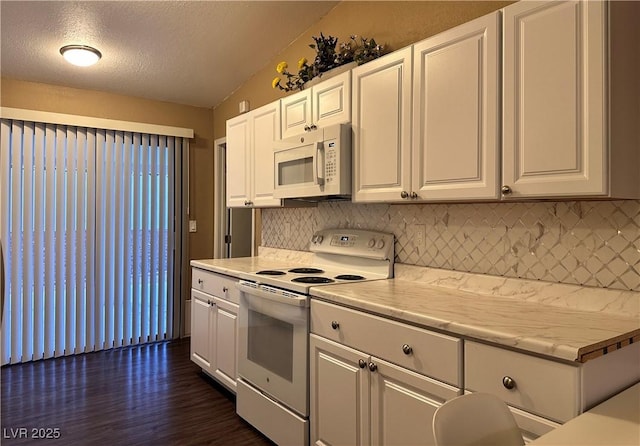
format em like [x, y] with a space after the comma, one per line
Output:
[301, 301]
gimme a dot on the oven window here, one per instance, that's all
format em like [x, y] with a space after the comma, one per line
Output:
[296, 171]
[270, 344]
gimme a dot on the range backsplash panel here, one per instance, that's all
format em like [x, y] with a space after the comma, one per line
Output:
[593, 243]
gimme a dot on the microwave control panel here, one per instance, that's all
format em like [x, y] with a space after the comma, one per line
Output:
[330, 162]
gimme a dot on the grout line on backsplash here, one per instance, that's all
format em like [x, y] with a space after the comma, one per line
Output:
[594, 243]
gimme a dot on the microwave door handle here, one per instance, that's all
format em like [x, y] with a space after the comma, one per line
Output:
[319, 166]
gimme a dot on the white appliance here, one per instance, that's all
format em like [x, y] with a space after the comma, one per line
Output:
[316, 164]
[273, 327]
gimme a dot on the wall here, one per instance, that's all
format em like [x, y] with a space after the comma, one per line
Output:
[393, 24]
[52, 98]
[594, 243]
[57, 99]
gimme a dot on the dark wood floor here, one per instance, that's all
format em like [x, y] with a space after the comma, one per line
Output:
[146, 395]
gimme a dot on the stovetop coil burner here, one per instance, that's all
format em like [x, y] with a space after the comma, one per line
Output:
[306, 271]
[271, 272]
[312, 279]
[349, 277]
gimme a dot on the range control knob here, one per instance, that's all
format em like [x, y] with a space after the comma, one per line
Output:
[319, 238]
[380, 244]
[371, 243]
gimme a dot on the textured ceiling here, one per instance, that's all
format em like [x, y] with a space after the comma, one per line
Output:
[194, 52]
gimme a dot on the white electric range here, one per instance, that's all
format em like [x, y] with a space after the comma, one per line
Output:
[273, 327]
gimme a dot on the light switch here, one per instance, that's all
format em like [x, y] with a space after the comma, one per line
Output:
[193, 227]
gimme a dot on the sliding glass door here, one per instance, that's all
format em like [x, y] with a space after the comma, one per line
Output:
[88, 223]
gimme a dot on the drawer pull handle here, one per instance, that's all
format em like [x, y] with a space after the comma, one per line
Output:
[508, 382]
[373, 367]
[362, 363]
[335, 325]
[225, 289]
[406, 349]
[200, 281]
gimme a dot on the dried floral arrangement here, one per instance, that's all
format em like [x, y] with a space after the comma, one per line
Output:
[329, 55]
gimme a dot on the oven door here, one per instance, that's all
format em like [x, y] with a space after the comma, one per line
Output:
[273, 349]
[299, 167]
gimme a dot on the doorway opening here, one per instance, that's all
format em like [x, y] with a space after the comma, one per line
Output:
[233, 227]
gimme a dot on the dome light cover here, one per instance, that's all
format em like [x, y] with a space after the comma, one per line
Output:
[80, 55]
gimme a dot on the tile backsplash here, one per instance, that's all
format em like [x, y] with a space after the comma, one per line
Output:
[594, 243]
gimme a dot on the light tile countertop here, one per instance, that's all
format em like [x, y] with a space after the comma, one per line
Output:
[613, 422]
[560, 321]
[554, 331]
[268, 259]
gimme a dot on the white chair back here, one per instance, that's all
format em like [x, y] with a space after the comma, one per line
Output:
[475, 419]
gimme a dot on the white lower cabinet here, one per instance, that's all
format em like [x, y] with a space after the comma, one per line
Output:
[403, 404]
[339, 394]
[361, 398]
[214, 330]
[544, 393]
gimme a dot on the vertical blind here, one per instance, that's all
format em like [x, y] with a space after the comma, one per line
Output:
[88, 221]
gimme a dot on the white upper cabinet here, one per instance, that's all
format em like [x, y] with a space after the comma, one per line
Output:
[238, 161]
[326, 103]
[250, 173]
[426, 118]
[382, 128]
[571, 93]
[456, 88]
[266, 130]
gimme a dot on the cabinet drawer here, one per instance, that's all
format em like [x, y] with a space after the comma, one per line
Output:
[215, 284]
[541, 386]
[432, 354]
[531, 425]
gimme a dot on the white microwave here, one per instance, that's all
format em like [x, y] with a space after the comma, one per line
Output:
[316, 164]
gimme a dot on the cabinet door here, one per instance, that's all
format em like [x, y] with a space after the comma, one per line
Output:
[265, 130]
[296, 113]
[200, 330]
[225, 339]
[403, 404]
[455, 112]
[381, 123]
[339, 394]
[331, 101]
[238, 161]
[554, 121]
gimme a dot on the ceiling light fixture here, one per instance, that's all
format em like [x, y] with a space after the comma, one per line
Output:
[80, 55]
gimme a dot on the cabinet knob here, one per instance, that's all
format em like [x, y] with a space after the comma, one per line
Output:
[362, 363]
[506, 190]
[414, 195]
[406, 349]
[404, 194]
[313, 127]
[373, 367]
[508, 382]
[335, 325]
[200, 281]
[307, 128]
[225, 289]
